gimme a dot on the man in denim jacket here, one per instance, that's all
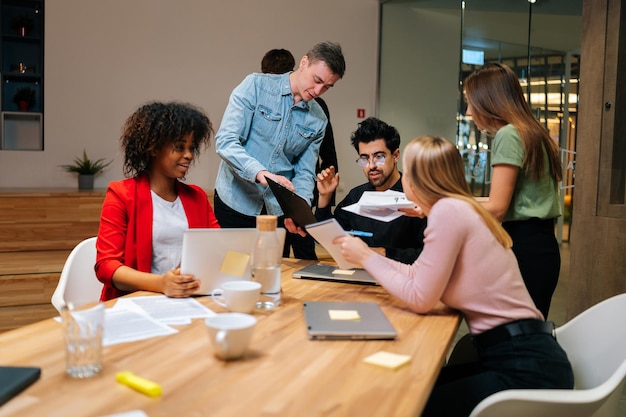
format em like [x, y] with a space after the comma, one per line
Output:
[273, 127]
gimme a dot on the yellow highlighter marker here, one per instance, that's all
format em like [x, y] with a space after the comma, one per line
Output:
[138, 383]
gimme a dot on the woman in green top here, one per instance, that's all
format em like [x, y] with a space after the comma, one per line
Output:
[524, 192]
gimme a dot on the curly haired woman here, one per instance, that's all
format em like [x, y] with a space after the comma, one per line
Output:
[144, 216]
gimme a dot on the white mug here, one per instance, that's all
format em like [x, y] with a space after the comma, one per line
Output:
[230, 334]
[237, 296]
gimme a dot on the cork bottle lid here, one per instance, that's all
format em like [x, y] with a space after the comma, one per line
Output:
[266, 222]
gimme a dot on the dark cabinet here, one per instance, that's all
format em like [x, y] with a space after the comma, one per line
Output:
[22, 69]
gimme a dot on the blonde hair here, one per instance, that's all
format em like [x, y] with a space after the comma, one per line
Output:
[434, 170]
[497, 99]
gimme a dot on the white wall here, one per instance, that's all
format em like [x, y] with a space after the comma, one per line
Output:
[105, 58]
[419, 71]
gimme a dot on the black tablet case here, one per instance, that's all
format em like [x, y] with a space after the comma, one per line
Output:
[15, 379]
[293, 205]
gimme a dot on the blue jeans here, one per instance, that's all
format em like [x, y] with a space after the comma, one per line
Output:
[533, 361]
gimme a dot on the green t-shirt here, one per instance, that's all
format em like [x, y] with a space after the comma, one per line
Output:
[530, 198]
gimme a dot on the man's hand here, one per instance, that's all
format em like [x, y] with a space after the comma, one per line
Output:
[260, 178]
[292, 228]
[327, 183]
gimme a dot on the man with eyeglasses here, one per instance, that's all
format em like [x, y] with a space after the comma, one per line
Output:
[378, 145]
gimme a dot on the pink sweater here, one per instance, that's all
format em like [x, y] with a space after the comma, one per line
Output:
[462, 265]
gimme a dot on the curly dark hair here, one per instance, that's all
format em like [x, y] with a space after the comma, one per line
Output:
[371, 129]
[155, 125]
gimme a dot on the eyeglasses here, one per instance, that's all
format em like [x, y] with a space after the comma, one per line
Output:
[378, 159]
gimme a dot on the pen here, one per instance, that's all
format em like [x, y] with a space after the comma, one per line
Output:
[360, 233]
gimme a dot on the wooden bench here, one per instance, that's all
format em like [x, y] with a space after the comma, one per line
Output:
[38, 229]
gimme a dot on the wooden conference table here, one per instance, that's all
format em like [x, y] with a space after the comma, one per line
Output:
[283, 373]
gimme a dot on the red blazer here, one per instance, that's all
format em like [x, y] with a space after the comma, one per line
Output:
[125, 233]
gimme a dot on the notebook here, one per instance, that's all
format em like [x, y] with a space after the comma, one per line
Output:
[15, 379]
[216, 256]
[333, 273]
[346, 321]
[294, 206]
[325, 232]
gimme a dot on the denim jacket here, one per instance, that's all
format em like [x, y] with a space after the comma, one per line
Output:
[263, 130]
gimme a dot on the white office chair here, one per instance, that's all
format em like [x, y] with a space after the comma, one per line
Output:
[78, 283]
[595, 342]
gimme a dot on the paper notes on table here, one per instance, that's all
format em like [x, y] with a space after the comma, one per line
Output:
[344, 315]
[344, 271]
[235, 263]
[387, 360]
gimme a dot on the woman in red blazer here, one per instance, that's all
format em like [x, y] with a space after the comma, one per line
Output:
[144, 216]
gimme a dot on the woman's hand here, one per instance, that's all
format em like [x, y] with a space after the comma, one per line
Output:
[178, 286]
[353, 249]
[413, 212]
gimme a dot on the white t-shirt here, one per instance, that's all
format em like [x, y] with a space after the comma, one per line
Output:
[169, 222]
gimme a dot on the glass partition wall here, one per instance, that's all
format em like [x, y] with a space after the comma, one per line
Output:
[539, 40]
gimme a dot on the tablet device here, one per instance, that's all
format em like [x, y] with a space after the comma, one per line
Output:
[292, 204]
[324, 320]
[332, 273]
[215, 256]
[15, 379]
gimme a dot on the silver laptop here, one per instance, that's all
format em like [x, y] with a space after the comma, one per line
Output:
[371, 324]
[216, 256]
[332, 273]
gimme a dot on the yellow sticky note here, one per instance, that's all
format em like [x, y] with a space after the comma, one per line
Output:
[235, 263]
[344, 315]
[387, 359]
[344, 271]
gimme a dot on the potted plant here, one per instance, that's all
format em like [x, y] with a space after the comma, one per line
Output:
[24, 98]
[86, 170]
[22, 24]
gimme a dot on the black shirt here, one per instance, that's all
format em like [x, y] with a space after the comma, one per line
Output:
[402, 238]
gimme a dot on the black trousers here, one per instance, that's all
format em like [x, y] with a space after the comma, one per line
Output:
[303, 247]
[526, 362]
[537, 252]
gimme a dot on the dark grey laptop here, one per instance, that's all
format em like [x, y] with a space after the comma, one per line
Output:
[372, 322]
[332, 273]
[294, 206]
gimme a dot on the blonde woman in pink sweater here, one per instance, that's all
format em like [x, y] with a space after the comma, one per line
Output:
[467, 263]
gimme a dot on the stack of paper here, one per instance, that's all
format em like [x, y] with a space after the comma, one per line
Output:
[380, 205]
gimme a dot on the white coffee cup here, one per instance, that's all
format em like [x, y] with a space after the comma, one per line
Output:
[238, 296]
[230, 334]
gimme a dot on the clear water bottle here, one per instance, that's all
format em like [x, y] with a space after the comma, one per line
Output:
[266, 257]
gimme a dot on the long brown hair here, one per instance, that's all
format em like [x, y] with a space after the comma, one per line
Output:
[434, 169]
[497, 99]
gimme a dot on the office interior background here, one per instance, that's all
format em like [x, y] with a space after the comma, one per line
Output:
[104, 59]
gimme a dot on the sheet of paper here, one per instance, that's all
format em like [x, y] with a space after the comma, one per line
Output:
[170, 310]
[324, 232]
[126, 325]
[385, 215]
[389, 199]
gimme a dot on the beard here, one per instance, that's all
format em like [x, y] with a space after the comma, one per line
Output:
[377, 180]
